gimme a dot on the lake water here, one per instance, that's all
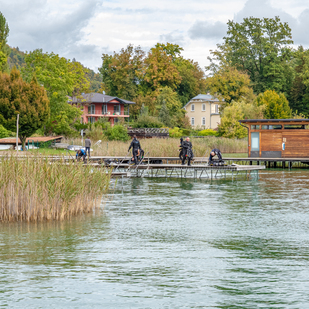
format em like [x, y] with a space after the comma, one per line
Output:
[168, 244]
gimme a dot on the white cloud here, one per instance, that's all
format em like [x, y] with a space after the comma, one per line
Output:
[84, 29]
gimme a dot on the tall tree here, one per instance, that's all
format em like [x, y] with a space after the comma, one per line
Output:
[299, 94]
[4, 32]
[60, 79]
[259, 47]
[121, 72]
[160, 70]
[29, 100]
[229, 84]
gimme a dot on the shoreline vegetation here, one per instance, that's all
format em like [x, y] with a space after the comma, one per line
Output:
[157, 147]
[33, 189]
[160, 147]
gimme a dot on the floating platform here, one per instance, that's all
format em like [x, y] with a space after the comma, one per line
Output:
[196, 171]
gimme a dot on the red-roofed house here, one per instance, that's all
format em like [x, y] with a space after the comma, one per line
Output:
[98, 105]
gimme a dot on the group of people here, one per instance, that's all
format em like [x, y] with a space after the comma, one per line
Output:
[81, 154]
[185, 152]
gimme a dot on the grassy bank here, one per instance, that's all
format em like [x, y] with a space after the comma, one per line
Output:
[32, 189]
[158, 147]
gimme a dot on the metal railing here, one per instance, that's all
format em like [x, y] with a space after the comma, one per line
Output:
[108, 113]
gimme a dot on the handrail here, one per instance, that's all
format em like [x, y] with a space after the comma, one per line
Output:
[121, 161]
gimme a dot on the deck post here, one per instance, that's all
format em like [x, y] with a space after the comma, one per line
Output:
[257, 162]
[250, 163]
[275, 164]
[290, 164]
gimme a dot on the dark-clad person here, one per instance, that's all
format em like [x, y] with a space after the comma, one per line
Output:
[213, 153]
[88, 145]
[135, 145]
[187, 151]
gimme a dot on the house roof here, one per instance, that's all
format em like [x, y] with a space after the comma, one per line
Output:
[204, 97]
[273, 120]
[42, 139]
[95, 97]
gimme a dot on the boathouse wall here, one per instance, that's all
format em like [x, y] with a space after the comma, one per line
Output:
[277, 138]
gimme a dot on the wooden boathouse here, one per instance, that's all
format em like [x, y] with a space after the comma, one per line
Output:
[277, 138]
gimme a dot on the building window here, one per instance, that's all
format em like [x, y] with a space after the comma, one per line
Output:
[203, 121]
[91, 119]
[91, 109]
[192, 107]
[104, 109]
[192, 121]
[215, 109]
[116, 109]
[203, 107]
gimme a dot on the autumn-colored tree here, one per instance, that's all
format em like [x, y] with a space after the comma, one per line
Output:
[276, 105]
[121, 72]
[29, 100]
[229, 84]
[159, 71]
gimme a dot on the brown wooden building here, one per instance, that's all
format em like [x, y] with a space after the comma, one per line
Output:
[277, 138]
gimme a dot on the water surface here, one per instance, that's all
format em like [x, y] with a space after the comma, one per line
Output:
[168, 244]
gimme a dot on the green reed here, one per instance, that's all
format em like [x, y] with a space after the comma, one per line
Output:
[35, 189]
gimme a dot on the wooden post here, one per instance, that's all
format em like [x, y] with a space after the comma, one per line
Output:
[275, 164]
[17, 127]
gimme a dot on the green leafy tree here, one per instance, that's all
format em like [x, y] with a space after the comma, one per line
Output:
[259, 47]
[4, 32]
[164, 115]
[230, 126]
[298, 97]
[229, 84]
[29, 100]
[4, 132]
[60, 79]
[276, 105]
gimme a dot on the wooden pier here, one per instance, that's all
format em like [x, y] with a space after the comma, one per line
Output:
[196, 171]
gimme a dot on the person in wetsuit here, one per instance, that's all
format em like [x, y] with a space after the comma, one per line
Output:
[213, 153]
[187, 151]
[136, 147]
[181, 150]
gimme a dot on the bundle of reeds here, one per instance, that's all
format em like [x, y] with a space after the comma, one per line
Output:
[35, 189]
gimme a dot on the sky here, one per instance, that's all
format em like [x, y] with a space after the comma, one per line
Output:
[85, 29]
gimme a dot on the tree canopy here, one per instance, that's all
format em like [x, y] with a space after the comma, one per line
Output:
[260, 47]
[29, 100]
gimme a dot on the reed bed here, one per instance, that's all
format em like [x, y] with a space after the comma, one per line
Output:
[34, 189]
[158, 147]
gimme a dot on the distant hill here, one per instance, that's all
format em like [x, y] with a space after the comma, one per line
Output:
[17, 58]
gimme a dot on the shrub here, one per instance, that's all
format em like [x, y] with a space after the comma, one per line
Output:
[145, 121]
[4, 132]
[208, 132]
[175, 132]
[117, 133]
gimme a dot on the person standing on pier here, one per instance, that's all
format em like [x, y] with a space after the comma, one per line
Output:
[136, 147]
[187, 151]
[213, 153]
[88, 145]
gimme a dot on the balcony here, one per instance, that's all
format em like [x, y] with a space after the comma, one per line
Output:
[108, 114]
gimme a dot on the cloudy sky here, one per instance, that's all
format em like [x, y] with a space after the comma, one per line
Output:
[84, 29]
